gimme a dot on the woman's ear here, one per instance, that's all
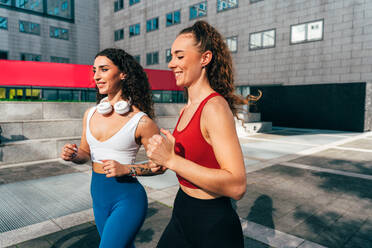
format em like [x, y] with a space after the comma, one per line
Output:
[122, 76]
[206, 58]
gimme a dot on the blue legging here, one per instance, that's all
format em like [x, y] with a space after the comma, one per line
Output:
[119, 206]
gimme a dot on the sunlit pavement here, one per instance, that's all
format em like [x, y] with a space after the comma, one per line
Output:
[305, 188]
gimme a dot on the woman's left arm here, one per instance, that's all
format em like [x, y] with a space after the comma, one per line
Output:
[230, 179]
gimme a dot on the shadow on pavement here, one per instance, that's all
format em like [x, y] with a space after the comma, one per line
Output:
[262, 213]
[87, 237]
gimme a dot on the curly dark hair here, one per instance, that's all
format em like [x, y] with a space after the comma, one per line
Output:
[135, 86]
[220, 71]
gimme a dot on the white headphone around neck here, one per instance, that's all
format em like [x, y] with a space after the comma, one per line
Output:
[121, 107]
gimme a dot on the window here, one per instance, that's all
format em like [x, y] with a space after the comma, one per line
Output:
[134, 30]
[168, 55]
[58, 33]
[152, 24]
[3, 22]
[64, 5]
[173, 18]
[118, 5]
[131, 2]
[119, 34]
[232, 43]
[50, 8]
[198, 10]
[59, 59]
[29, 27]
[226, 4]
[60, 8]
[6, 2]
[34, 5]
[152, 58]
[137, 58]
[3, 55]
[306, 32]
[30, 57]
[260, 40]
[255, 1]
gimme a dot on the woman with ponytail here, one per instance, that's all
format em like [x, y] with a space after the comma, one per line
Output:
[204, 149]
[113, 132]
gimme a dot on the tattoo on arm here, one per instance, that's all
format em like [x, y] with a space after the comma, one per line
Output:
[144, 170]
[142, 120]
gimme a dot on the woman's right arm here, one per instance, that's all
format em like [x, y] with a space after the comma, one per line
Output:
[81, 155]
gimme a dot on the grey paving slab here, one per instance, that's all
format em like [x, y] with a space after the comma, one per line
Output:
[359, 144]
[344, 160]
[365, 231]
[312, 139]
[37, 243]
[86, 235]
[319, 201]
[36, 171]
[357, 242]
[270, 150]
[168, 179]
[252, 243]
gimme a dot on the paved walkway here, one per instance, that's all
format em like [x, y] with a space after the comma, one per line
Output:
[306, 188]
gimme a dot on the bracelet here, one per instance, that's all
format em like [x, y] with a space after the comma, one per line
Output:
[132, 172]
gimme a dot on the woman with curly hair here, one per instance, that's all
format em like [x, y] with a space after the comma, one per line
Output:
[204, 149]
[113, 131]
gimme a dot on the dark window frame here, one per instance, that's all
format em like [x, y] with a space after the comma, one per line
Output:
[29, 24]
[152, 24]
[237, 42]
[197, 17]
[32, 54]
[60, 29]
[262, 47]
[173, 22]
[254, 1]
[118, 6]
[306, 40]
[228, 8]
[137, 58]
[168, 58]
[5, 52]
[62, 59]
[133, 2]
[6, 21]
[13, 7]
[152, 54]
[119, 34]
[134, 26]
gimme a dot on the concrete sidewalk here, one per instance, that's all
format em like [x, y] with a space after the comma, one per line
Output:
[306, 188]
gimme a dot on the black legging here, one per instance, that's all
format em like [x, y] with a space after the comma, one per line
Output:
[197, 223]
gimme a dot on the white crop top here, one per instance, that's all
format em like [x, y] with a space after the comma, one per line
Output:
[121, 147]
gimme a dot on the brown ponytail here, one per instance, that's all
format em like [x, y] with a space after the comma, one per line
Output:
[220, 70]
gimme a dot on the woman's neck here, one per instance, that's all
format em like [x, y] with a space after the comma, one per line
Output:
[198, 91]
[114, 98]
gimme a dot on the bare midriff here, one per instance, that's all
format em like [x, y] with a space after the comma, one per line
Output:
[98, 168]
[199, 193]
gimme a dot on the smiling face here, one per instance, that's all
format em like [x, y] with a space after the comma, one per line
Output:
[187, 61]
[107, 76]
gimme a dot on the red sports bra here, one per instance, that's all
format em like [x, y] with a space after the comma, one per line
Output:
[191, 145]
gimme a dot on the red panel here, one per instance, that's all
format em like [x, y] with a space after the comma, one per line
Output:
[162, 80]
[45, 74]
